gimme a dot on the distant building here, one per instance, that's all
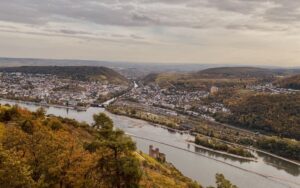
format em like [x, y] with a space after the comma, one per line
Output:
[214, 90]
[186, 126]
[187, 107]
[43, 103]
[156, 154]
[72, 103]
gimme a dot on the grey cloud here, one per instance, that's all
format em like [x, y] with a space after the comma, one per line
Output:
[145, 12]
[256, 27]
[239, 6]
[286, 11]
[282, 11]
[136, 37]
[72, 34]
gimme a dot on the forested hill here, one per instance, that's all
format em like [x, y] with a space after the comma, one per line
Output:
[292, 82]
[220, 77]
[237, 72]
[277, 114]
[73, 72]
[46, 151]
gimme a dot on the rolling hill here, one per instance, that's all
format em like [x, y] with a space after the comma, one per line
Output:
[204, 79]
[291, 82]
[237, 72]
[84, 73]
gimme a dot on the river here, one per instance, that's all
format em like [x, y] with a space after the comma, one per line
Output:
[196, 163]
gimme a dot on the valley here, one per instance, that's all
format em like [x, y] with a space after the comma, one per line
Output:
[206, 112]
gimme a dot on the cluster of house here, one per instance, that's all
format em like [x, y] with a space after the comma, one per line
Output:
[49, 89]
[213, 108]
[270, 88]
[174, 100]
[154, 95]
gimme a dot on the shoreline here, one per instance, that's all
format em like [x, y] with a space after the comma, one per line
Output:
[264, 152]
[189, 141]
[250, 148]
[46, 105]
[162, 126]
[217, 160]
[222, 152]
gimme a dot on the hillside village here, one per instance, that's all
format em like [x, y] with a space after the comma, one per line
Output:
[51, 89]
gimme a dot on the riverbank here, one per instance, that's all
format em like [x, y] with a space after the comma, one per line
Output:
[223, 153]
[168, 121]
[265, 152]
[214, 144]
[251, 171]
[127, 113]
[167, 128]
[198, 164]
[248, 148]
[79, 108]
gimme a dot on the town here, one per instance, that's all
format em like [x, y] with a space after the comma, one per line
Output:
[171, 101]
[49, 89]
[174, 107]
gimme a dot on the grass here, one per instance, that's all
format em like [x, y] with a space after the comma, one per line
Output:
[161, 175]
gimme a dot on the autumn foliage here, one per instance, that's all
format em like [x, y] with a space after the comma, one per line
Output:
[41, 151]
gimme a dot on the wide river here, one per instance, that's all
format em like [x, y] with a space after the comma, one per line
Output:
[198, 164]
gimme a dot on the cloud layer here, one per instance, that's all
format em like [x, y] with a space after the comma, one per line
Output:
[158, 24]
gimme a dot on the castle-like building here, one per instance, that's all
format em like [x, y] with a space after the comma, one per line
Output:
[161, 157]
[214, 90]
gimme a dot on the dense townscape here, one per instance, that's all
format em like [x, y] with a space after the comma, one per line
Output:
[51, 89]
[154, 95]
[169, 101]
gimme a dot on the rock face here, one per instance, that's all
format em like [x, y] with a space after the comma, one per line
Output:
[156, 154]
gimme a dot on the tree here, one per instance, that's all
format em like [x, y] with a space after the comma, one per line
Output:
[40, 112]
[9, 114]
[103, 122]
[55, 124]
[34, 153]
[74, 162]
[223, 183]
[117, 166]
[27, 126]
[194, 184]
[13, 171]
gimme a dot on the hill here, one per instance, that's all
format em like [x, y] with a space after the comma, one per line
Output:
[73, 72]
[237, 72]
[271, 114]
[47, 151]
[291, 82]
[220, 77]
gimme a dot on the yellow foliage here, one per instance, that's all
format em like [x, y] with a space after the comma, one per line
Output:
[2, 129]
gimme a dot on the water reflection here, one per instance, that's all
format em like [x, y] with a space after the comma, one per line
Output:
[220, 155]
[280, 164]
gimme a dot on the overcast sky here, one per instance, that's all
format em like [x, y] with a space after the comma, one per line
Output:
[265, 32]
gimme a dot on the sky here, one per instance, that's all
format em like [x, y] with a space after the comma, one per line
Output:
[252, 32]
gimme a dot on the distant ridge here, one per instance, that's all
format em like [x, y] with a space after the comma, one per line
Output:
[73, 72]
[139, 69]
[237, 72]
[292, 82]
